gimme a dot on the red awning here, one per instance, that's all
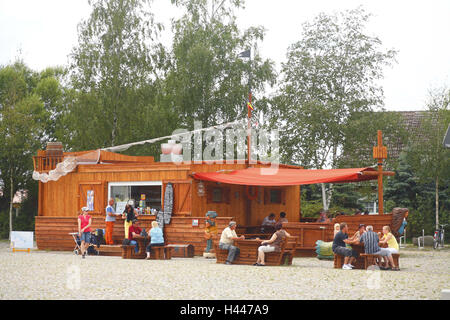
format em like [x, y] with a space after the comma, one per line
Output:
[286, 177]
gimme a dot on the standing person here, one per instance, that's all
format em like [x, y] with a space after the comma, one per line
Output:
[370, 240]
[84, 230]
[227, 242]
[156, 238]
[129, 215]
[339, 247]
[271, 245]
[282, 218]
[210, 229]
[390, 240]
[109, 221]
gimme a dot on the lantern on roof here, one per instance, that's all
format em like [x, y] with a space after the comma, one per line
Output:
[201, 189]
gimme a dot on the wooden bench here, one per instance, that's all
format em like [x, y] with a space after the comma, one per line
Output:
[289, 250]
[157, 253]
[363, 261]
[249, 252]
[371, 259]
[161, 253]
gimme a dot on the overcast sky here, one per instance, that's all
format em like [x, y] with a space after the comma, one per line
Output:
[43, 32]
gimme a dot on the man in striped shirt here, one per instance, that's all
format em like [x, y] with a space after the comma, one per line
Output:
[370, 240]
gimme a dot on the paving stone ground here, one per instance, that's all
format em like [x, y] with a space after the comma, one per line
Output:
[63, 275]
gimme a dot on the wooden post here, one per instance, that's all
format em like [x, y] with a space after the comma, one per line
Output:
[249, 117]
[380, 153]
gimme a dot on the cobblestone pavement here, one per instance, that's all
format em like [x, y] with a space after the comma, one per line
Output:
[63, 275]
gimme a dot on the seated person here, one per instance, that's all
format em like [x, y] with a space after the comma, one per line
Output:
[339, 247]
[271, 245]
[370, 240]
[359, 233]
[268, 223]
[282, 218]
[227, 242]
[323, 217]
[134, 232]
[337, 228]
[390, 240]
[156, 238]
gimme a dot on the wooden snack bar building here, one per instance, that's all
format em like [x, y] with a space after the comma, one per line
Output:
[243, 192]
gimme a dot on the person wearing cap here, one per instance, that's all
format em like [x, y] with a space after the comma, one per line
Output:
[134, 232]
[84, 230]
[227, 242]
[210, 229]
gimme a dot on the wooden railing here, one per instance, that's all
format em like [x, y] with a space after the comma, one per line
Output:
[46, 163]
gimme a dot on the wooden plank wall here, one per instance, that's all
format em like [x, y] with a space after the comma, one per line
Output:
[52, 233]
[290, 204]
[377, 221]
[308, 234]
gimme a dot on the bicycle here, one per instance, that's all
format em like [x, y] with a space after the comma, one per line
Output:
[438, 238]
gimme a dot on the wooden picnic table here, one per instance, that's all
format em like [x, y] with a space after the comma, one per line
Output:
[249, 252]
[263, 236]
[361, 261]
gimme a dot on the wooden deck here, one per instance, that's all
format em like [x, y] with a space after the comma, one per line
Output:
[52, 233]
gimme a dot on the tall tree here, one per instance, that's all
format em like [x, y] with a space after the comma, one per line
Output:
[427, 155]
[23, 120]
[115, 70]
[330, 74]
[207, 80]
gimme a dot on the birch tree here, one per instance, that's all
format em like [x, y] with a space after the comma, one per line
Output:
[330, 74]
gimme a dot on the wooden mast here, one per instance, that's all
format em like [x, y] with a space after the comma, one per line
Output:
[249, 117]
[380, 153]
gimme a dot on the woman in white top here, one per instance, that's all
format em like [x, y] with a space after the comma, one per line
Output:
[337, 228]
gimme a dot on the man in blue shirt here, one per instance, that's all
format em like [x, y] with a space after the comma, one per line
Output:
[339, 247]
[109, 221]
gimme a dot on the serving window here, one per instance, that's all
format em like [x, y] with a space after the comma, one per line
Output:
[145, 194]
[216, 194]
[275, 196]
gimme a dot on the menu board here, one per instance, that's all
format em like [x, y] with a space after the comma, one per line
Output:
[120, 206]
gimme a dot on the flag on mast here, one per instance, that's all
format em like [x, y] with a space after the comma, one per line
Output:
[245, 54]
[249, 105]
